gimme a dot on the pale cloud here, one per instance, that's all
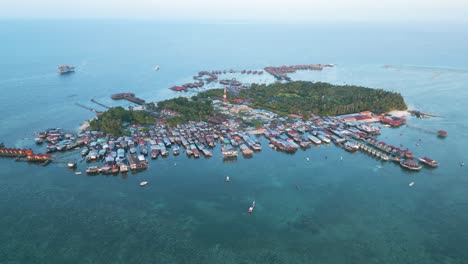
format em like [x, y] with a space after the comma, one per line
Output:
[256, 10]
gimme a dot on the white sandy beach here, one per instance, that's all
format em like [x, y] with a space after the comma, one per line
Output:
[84, 126]
[399, 113]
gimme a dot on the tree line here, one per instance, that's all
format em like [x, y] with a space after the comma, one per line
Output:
[112, 121]
[196, 108]
[320, 98]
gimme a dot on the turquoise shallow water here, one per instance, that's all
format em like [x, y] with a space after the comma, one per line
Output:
[355, 210]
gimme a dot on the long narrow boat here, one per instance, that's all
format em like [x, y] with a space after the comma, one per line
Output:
[429, 162]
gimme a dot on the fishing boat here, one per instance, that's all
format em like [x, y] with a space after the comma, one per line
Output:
[143, 183]
[62, 69]
[351, 147]
[227, 178]
[429, 162]
[78, 173]
[156, 68]
[92, 170]
[411, 184]
[123, 168]
[251, 208]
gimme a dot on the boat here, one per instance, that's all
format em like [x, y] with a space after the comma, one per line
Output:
[123, 168]
[429, 162]
[175, 150]
[228, 151]
[323, 139]
[251, 208]
[63, 69]
[227, 178]
[71, 164]
[411, 184]
[39, 140]
[410, 164]
[156, 68]
[78, 173]
[143, 183]
[305, 144]
[143, 150]
[351, 147]
[315, 140]
[92, 170]
[246, 151]
[154, 153]
[368, 128]
[442, 133]
[115, 169]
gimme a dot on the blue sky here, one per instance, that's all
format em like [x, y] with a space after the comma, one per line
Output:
[242, 10]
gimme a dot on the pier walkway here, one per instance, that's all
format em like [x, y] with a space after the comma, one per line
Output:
[89, 108]
[101, 104]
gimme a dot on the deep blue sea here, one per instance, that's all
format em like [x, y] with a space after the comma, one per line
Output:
[354, 210]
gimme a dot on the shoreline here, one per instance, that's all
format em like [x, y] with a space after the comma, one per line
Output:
[400, 113]
[84, 126]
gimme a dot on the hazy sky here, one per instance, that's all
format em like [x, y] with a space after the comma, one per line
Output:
[241, 10]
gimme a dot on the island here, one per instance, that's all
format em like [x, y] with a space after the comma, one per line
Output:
[291, 115]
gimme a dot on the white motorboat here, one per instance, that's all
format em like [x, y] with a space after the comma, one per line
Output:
[143, 183]
[251, 208]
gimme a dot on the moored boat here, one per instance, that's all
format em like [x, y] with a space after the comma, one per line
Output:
[314, 139]
[228, 151]
[323, 139]
[429, 162]
[246, 151]
[351, 147]
[410, 164]
[123, 168]
[92, 170]
[175, 150]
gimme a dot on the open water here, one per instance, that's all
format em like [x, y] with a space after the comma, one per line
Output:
[354, 210]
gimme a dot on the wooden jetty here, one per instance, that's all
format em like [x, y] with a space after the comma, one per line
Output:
[88, 108]
[101, 104]
[439, 133]
[129, 97]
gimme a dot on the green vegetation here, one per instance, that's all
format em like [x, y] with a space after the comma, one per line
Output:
[211, 94]
[111, 121]
[198, 108]
[322, 99]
